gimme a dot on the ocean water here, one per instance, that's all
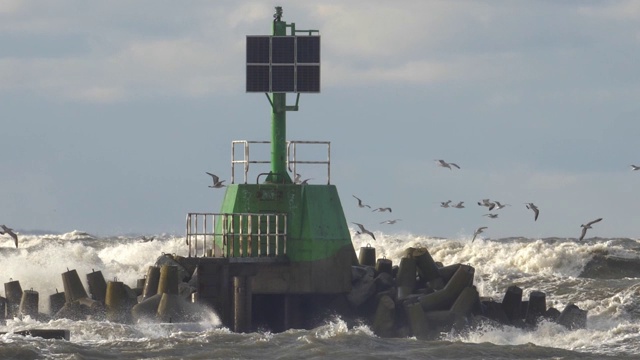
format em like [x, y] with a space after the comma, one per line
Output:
[556, 266]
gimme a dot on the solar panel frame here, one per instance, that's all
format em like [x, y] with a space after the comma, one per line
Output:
[293, 64]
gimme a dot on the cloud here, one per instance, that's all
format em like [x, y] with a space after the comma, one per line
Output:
[101, 94]
[393, 30]
[251, 13]
[341, 74]
[35, 17]
[10, 6]
[122, 61]
[551, 180]
[440, 41]
[617, 10]
[170, 67]
[183, 65]
[198, 50]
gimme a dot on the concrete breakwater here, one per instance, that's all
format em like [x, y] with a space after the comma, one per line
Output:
[417, 297]
[423, 298]
[161, 295]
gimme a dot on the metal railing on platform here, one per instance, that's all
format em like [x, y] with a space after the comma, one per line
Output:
[292, 158]
[244, 235]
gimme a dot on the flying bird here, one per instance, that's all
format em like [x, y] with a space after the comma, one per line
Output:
[364, 231]
[446, 164]
[390, 222]
[383, 209]
[458, 205]
[9, 231]
[492, 216]
[216, 181]
[477, 232]
[488, 203]
[445, 204]
[360, 204]
[535, 210]
[635, 167]
[588, 226]
[500, 206]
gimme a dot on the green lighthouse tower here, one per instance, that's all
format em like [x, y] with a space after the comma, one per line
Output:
[277, 244]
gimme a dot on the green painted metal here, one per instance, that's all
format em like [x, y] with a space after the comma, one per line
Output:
[279, 125]
[316, 226]
[279, 141]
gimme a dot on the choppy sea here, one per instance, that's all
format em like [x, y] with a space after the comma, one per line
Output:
[562, 268]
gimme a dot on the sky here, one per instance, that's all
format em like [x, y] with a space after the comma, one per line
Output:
[112, 112]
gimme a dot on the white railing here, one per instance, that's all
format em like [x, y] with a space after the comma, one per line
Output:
[237, 235]
[292, 158]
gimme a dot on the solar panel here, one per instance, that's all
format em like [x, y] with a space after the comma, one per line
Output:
[282, 78]
[281, 64]
[258, 49]
[282, 49]
[258, 78]
[308, 78]
[308, 49]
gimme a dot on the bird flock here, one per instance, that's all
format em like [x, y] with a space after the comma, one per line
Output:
[497, 205]
[489, 204]
[363, 230]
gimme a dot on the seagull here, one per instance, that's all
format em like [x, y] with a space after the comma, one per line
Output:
[445, 204]
[446, 164]
[535, 210]
[390, 222]
[478, 231]
[216, 181]
[360, 204]
[364, 231]
[9, 231]
[635, 167]
[383, 209]
[493, 216]
[458, 205]
[588, 226]
[487, 203]
[298, 180]
[500, 206]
